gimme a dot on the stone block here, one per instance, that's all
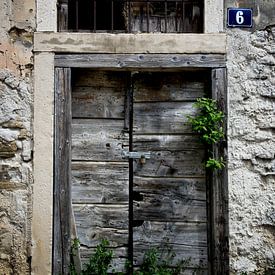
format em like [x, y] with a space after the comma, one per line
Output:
[7, 148]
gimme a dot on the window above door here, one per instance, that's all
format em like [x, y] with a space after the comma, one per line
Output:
[132, 16]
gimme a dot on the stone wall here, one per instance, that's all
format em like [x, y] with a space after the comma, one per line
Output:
[17, 24]
[251, 136]
[251, 139]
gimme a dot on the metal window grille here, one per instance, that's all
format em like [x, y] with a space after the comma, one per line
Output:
[165, 16]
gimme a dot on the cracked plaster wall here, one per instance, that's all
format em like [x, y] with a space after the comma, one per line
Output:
[16, 62]
[251, 141]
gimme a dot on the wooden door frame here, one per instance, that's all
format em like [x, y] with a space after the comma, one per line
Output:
[217, 187]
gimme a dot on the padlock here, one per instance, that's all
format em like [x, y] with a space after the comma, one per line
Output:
[142, 160]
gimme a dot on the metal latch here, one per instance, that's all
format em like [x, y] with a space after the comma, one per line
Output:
[142, 156]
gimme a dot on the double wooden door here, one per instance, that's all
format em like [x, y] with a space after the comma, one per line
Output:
[138, 177]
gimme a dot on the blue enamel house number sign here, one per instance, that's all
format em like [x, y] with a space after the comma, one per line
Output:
[241, 18]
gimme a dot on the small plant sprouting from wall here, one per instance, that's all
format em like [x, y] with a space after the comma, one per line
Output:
[99, 262]
[208, 123]
[153, 263]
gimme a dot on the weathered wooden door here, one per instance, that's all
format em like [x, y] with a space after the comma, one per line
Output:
[155, 197]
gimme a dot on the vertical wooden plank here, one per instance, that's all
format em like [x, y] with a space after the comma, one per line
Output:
[62, 15]
[130, 108]
[159, 201]
[100, 173]
[62, 177]
[218, 193]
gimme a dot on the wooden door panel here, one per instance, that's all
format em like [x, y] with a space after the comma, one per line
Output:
[154, 231]
[99, 79]
[177, 188]
[100, 174]
[188, 239]
[175, 143]
[99, 94]
[95, 222]
[157, 87]
[162, 117]
[111, 216]
[172, 164]
[100, 182]
[94, 103]
[98, 140]
[169, 188]
[164, 208]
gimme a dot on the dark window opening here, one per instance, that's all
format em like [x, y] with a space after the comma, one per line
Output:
[168, 16]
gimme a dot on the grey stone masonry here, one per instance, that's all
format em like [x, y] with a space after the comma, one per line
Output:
[16, 96]
[251, 139]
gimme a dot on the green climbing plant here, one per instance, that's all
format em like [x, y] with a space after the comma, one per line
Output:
[208, 123]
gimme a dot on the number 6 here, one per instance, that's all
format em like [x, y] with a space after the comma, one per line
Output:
[239, 17]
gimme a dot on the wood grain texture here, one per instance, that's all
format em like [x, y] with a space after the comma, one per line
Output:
[89, 102]
[130, 43]
[218, 193]
[166, 142]
[98, 140]
[168, 86]
[89, 216]
[98, 79]
[155, 62]
[172, 25]
[166, 18]
[166, 208]
[191, 234]
[98, 94]
[165, 199]
[187, 240]
[97, 222]
[163, 117]
[62, 179]
[62, 15]
[100, 182]
[169, 190]
[91, 237]
[172, 164]
[177, 188]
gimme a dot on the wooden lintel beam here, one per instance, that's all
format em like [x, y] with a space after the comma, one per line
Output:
[140, 61]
